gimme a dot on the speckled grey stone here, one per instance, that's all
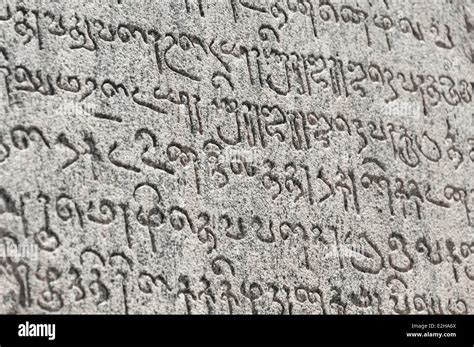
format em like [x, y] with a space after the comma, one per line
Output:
[237, 156]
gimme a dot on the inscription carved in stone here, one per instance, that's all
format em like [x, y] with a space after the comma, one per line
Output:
[237, 157]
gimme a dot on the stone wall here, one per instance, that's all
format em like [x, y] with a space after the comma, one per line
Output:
[237, 156]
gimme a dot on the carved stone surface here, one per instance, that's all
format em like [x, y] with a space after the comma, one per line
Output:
[237, 156]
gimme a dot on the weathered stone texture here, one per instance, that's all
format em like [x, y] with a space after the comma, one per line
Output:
[237, 156]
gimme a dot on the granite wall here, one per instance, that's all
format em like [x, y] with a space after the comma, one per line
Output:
[237, 156]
